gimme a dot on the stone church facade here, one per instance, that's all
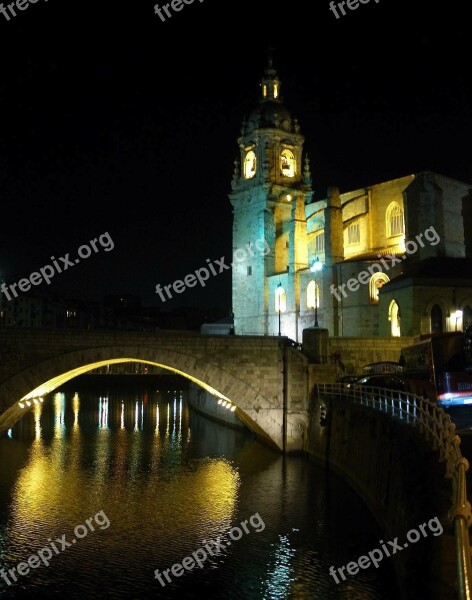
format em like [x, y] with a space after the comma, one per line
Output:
[390, 259]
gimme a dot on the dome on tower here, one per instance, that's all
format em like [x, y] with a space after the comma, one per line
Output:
[270, 114]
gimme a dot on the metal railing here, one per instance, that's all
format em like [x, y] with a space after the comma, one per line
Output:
[437, 428]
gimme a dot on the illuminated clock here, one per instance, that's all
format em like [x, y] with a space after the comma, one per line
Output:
[250, 164]
[287, 163]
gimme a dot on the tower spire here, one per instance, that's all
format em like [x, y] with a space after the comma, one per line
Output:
[270, 84]
[270, 58]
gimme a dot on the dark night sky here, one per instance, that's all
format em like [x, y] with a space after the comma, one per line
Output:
[114, 121]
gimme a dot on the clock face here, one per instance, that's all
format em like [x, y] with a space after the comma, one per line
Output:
[250, 164]
[287, 163]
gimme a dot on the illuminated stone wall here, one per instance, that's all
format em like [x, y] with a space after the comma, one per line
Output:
[272, 198]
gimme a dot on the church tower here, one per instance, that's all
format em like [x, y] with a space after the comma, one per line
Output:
[270, 189]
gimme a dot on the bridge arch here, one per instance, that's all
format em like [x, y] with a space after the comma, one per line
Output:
[25, 388]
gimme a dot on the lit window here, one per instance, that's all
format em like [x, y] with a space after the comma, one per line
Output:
[287, 163]
[353, 233]
[280, 299]
[264, 90]
[319, 244]
[313, 295]
[276, 90]
[395, 221]
[394, 318]
[250, 163]
[376, 282]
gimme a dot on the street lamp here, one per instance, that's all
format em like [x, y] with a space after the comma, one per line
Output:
[280, 302]
[315, 267]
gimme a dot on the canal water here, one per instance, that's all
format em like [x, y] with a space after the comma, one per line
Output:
[141, 482]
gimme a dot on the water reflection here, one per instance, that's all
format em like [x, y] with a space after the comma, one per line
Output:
[168, 480]
[280, 576]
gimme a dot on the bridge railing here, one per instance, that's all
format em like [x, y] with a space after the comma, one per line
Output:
[437, 428]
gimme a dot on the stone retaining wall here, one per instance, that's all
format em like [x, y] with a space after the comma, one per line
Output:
[402, 482]
[355, 352]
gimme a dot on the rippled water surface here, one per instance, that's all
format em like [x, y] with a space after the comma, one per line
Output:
[157, 482]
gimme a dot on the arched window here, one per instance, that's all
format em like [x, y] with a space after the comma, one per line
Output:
[395, 222]
[250, 164]
[280, 299]
[353, 233]
[376, 282]
[394, 318]
[467, 316]
[436, 319]
[287, 163]
[313, 295]
[319, 243]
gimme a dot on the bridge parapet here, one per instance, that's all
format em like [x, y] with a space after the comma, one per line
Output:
[379, 440]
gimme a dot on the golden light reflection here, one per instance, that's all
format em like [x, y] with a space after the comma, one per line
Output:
[175, 418]
[37, 421]
[76, 408]
[220, 484]
[61, 476]
[168, 420]
[59, 408]
[180, 415]
[157, 419]
[207, 497]
[136, 417]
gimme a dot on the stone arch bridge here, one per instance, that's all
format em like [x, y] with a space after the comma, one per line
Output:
[265, 377]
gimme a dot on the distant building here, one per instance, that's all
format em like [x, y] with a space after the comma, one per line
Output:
[49, 311]
[24, 311]
[394, 258]
[120, 312]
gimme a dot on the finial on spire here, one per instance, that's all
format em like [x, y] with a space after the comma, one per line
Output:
[270, 57]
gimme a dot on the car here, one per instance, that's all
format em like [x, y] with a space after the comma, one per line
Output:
[348, 378]
[389, 381]
[364, 387]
